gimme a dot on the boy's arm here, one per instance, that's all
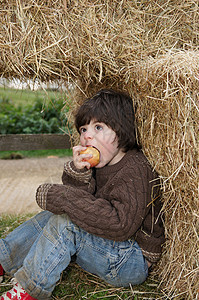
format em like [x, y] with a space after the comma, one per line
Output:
[80, 178]
[116, 218]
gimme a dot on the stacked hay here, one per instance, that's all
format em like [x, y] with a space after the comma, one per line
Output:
[75, 39]
[148, 48]
[168, 121]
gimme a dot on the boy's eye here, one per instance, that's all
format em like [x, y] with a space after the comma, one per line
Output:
[82, 130]
[98, 127]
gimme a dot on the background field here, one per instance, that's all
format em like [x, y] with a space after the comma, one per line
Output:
[26, 111]
[27, 96]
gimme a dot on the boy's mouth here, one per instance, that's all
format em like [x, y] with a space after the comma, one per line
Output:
[92, 147]
[95, 159]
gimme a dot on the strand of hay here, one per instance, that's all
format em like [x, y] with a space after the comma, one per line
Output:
[148, 48]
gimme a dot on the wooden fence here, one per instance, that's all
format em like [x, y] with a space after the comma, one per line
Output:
[16, 142]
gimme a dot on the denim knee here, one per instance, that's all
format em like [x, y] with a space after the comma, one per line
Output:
[118, 263]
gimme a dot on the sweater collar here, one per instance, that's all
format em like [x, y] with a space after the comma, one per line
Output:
[119, 165]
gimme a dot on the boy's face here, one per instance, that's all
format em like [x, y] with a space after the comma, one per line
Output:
[102, 137]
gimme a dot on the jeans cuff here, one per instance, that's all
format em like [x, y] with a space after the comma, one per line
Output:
[30, 287]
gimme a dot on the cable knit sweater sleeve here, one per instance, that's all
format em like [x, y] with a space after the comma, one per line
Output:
[80, 179]
[108, 218]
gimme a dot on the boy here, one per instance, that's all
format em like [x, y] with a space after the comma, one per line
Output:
[108, 217]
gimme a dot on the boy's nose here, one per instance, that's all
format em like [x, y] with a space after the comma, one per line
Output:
[88, 135]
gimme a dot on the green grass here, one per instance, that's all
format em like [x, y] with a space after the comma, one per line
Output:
[35, 153]
[26, 96]
[76, 284]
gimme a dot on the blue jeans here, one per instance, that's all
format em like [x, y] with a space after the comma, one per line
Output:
[39, 250]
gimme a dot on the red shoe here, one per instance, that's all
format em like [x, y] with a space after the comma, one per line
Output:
[16, 293]
[1, 273]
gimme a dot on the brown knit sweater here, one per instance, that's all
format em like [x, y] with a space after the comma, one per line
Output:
[116, 202]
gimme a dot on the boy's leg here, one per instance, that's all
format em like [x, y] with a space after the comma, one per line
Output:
[118, 263]
[48, 257]
[14, 248]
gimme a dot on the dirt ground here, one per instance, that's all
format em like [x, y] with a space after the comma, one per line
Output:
[20, 178]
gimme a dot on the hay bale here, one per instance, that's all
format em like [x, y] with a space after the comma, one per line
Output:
[148, 48]
[168, 121]
[72, 39]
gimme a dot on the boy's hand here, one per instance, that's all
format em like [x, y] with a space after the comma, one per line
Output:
[78, 158]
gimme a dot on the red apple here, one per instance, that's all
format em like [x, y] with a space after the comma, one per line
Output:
[94, 160]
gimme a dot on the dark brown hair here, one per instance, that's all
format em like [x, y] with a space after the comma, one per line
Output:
[115, 109]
